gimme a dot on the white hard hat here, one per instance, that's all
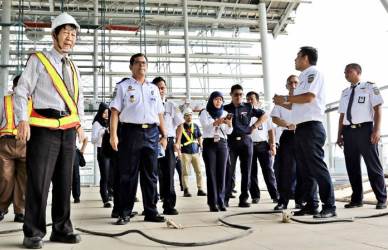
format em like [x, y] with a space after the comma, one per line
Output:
[62, 19]
[188, 111]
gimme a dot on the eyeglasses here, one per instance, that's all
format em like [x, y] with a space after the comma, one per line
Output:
[140, 62]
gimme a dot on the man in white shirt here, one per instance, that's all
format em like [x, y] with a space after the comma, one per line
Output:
[359, 134]
[308, 108]
[264, 149]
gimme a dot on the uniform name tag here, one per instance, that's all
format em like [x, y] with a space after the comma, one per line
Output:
[361, 99]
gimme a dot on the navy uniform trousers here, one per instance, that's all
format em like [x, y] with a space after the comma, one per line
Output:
[244, 150]
[309, 141]
[289, 174]
[357, 143]
[166, 177]
[261, 152]
[215, 156]
[138, 152]
[50, 158]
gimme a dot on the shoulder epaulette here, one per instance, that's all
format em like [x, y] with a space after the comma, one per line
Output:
[370, 82]
[122, 80]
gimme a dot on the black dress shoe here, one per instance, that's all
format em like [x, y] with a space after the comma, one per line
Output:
[155, 218]
[77, 200]
[33, 242]
[381, 205]
[19, 218]
[70, 238]
[279, 207]
[213, 209]
[325, 214]
[171, 211]
[201, 193]
[232, 196]
[244, 204]
[2, 214]
[107, 204]
[122, 220]
[353, 204]
[186, 193]
[255, 200]
[298, 206]
[276, 200]
[306, 211]
[222, 208]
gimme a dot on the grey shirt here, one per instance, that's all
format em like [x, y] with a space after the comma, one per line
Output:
[36, 82]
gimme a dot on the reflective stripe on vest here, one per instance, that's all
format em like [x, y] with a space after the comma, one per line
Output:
[10, 127]
[190, 139]
[66, 122]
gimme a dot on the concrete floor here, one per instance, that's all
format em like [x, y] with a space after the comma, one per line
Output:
[201, 225]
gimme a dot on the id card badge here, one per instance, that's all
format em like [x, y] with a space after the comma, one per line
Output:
[216, 135]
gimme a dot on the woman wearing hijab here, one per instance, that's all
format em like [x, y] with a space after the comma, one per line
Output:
[100, 125]
[216, 125]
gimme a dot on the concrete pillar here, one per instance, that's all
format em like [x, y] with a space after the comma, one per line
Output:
[264, 52]
[95, 83]
[5, 18]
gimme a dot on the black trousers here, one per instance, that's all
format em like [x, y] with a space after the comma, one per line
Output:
[50, 158]
[138, 152]
[289, 176]
[309, 141]
[76, 183]
[166, 179]
[261, 152]
[215, 156]
[104, 166]
[242, 149]
[356, 144]
[178, 167]
[114, 160]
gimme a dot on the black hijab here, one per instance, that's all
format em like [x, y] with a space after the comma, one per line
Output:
[213, 111]
[98, 118]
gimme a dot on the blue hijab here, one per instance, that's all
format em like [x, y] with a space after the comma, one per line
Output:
[213, 111]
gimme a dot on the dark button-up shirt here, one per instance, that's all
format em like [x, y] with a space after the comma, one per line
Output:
[241, 117]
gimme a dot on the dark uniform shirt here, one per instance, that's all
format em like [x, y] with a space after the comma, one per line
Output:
[192, 148]
[241, 117]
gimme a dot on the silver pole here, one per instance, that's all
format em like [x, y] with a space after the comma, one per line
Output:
[385, 4]
[264, 52]
[95, 81]
[187, 59]
[5, 18]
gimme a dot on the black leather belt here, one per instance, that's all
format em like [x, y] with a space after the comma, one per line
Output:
[143, 126]
[259, 142]
[52, 113]
[359, 125]
[305, 124]
[7, 137]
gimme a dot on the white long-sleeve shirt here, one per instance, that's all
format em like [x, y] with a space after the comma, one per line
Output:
[97, 133]
[208, 130]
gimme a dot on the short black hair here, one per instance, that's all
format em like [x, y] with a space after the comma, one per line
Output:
[236, 86]
[311, 53]
[253, 93]
[133, 57]
[354, 66]
[290, 77]
[158, 79]
[58, 29]
[15, 81]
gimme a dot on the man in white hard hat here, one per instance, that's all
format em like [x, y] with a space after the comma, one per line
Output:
[191, 142]
[52, 81]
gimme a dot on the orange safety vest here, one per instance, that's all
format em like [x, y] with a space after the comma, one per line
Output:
[10, 128]
[70, 121]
